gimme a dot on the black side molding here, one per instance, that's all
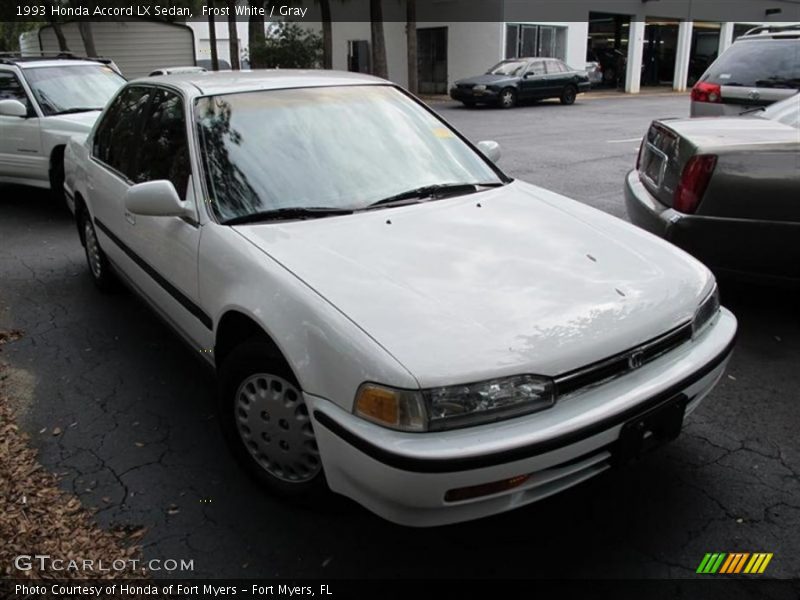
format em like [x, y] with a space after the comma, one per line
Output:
[467, 463]
[182, 299]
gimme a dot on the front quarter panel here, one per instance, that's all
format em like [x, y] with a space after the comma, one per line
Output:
[330, 355]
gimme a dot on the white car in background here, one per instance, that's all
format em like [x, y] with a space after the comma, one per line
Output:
[45, 102]
[386, 310]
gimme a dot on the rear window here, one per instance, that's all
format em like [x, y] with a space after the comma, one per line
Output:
[758, 63]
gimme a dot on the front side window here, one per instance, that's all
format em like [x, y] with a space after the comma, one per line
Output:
[69, 89]
[116, 141]
[11, 89]
[164, 150]
[536, 67]
[334, 147]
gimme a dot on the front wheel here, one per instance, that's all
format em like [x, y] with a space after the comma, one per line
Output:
[266, 422]
[568, 95]
[507, 98]
[99, 268]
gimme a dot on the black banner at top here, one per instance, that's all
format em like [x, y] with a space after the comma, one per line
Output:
[427, 11]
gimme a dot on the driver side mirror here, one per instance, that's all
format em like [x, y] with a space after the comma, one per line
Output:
[490, 149]
[155, 199]
[13, 108]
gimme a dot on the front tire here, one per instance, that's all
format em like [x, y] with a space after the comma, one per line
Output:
[266, 421]
[568, 95]
[507, 98]
[99, 267]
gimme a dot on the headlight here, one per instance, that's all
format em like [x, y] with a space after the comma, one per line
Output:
[708, 308]
[479, 88]
[454, 406]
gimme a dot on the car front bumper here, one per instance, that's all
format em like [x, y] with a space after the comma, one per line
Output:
[467, 95]
[746, 248]
[404, 477]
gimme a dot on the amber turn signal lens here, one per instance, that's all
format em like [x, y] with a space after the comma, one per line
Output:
[378, 404]
[484, 489]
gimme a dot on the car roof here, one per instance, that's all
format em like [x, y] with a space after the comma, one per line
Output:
[227, 82]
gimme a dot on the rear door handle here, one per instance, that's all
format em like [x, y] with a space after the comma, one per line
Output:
[130, 218]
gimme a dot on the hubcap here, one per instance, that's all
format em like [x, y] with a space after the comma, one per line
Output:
[274, 425]
[508, 99]
[92, 250]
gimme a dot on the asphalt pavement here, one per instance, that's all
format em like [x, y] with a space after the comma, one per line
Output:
[137, 438]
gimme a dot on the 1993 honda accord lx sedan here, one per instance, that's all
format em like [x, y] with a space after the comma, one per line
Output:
[388, 313]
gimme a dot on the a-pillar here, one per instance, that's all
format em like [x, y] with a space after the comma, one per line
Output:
[633, 72]
[682, 55]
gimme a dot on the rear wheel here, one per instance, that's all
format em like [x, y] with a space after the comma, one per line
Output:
[266, 421]
[99, 268]
[568, 95]
[507, 98]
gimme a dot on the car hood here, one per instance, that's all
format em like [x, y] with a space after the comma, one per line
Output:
[486, 79]
[511, 280]
[79, 123]
[721, 132]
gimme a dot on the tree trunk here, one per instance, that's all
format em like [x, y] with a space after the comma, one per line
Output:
[212, 36]
[411, 43]
[233, 35]
[327, 34]
[62, 41]
[85, 27]
[379, 68]
[255, 28]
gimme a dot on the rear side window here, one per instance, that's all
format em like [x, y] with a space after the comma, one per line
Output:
[758, 63]
[555, 66]
[116, 141]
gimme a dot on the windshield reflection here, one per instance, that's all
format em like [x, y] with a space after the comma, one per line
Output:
[336, 147]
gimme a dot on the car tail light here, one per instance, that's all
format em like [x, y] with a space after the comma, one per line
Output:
[694, 181]
[707, 92]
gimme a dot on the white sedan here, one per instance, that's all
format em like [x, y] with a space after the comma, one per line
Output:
[388, 313]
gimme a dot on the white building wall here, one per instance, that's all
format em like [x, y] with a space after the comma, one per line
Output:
[203, 39]
[471, 47]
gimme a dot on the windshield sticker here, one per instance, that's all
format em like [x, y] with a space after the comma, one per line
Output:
[442, 132]
[725, 76]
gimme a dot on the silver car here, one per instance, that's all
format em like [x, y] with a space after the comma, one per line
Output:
[761, 67]
[726, 190]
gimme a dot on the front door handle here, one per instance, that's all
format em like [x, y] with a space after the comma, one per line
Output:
[130, 218]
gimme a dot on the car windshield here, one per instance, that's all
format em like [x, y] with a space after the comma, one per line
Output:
[786, 111]
[509, 67]
[758, 63]
[326, 148]
[61, 90]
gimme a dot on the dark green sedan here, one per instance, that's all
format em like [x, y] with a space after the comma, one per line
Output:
[519, 79]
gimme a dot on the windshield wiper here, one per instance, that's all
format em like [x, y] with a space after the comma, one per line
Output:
[439, 190]
[285, 214]
[77, 109]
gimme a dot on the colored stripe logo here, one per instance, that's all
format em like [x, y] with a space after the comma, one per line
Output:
[734, 563]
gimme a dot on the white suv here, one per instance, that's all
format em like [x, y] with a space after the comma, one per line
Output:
[761, 67]
[44, 102]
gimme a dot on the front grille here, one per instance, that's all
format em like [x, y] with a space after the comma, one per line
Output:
[623, 362]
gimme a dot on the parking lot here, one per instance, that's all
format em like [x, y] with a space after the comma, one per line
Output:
[135, 433]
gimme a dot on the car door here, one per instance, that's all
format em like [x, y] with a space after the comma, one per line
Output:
[532, 84]
[21, 155]
[557, 77]
[114, 146]
[165, 248]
